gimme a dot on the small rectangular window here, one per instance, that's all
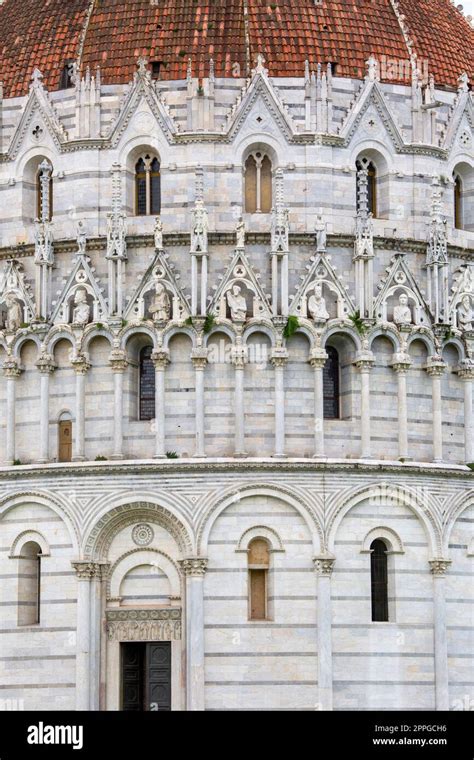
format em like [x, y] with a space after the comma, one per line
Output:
[258, 594]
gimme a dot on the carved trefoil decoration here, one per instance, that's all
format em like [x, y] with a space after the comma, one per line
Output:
[240, 295]
[400, 300]
[159, 296]
[322, 291]
[16, 302]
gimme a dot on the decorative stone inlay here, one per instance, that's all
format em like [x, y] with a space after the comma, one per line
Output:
[194, 565]
[324, 564]
[143, 534]
[144, 625]
[87, 571]
[439, 566]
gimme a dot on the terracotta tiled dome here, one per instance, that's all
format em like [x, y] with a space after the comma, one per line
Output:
[114, 33]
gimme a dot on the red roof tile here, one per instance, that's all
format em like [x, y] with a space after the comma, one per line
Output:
[50, 33]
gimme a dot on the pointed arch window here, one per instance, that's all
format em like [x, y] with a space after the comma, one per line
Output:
[458, 214]
[147, 384]
[147, 186]
[379, 580]
[331, 385]
[371, 185]
[29, 584]
[258, 183]
[258, 569]
[44, 192]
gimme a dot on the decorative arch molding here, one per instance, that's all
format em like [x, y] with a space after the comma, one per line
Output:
[25, 537]
[292, 497]
[424, 509]
[260, 326]
[423, 337]
[226, 327]
[98, 541]
[91, 332]
[61, 332]
[174, 330]
[341, 328]
[458, 345]
[453, 512]
[130, 331]
[39, 498]
[20, 342]
[260, 531]
[143, 556]
[388, 535]
[307, 329]
[385, 331]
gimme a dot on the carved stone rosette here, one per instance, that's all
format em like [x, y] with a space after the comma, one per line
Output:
[144, 625]
[194, 566]
[439, 566]
[324, 564]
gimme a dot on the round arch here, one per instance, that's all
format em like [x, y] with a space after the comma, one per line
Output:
[25, 537]
[143, 556]
[44, 500]
[458, 505]
[20, 342]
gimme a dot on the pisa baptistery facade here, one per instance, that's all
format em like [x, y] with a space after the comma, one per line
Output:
[237, 352]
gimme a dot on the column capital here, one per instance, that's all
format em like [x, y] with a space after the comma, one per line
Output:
[317, 358]
[439, 566]
[279, 357]
[239, 356]
[45, 364]
[364, 360]
[80, 364]
[401, 363]
[324, 564]
[466, 369]
[199, 358]
[435, 366]
[87, 570]
[194, 566]
[11, 369]
[118, 360]
[160, 358]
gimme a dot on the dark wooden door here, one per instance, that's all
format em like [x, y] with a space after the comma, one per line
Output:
[146, 677]
[65, 441]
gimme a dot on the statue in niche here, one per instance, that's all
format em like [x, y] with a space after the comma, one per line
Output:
[14, 318]
[160, 307]
[321, 235]
[466, 314]
[81, 239]
[158, 233]
[237, 304]
[82, 311]
[240, 233]
[317, 305]
[200, 228]
[402, 312]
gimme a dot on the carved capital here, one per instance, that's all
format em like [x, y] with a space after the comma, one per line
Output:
[466, 370]
[435, 366]
[11, 369]
[239, 356]
[118, 360]
[324, 564]
[317, 358]
[364, 360]
[439, 566]
[199, 358]
[45, 364]
[194, 566]
[87, 570]
[80, 364]
[279, 357]
[160, 358]
[401, 363]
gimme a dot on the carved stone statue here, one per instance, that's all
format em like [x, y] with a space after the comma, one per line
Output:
[240, 233]
[158, 232]
[317, 305]
[82, 311]
[466, 314]
[81, 239]
[200, 228]
[14, 313]
[321, 235]
[160, 307]
[237, 304]
[402, 312]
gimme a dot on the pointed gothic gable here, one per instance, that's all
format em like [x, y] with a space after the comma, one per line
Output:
[321, 271]
[240, 273]
[398, 280]
[38, 107]
[371, 97]
[463, 285]
[81, 276]
[460, 129]
[13, 282]
[161, 270]
[142, 89]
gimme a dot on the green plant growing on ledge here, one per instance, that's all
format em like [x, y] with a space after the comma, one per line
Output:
[358, 323]
[471, 465]
[209, 323]
[100, 326]
[101, 459]
[291, 326]
[17, 462]
[172, 455]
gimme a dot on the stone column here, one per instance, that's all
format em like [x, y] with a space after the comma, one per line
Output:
[199, 359]
[81, 367]
[435, 368]
[161, 360]
[466, 373]
[239, 360]
[11, 371]
[194, 569]
[439, 567]
[279, 359]
[324, 567]
[318, 360]
[85, 572]
[46, 367]
[401, 363]
[118, 362]
[364, 363]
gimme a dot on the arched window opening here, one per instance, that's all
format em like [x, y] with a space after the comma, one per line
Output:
[258, 184]
[331, 385]
[65, 439]
[147, 186]
[147, 384]
[379, 580]
[44, 192]
[29, 584]
[258, 567]
[458, 215]
[371, 181]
